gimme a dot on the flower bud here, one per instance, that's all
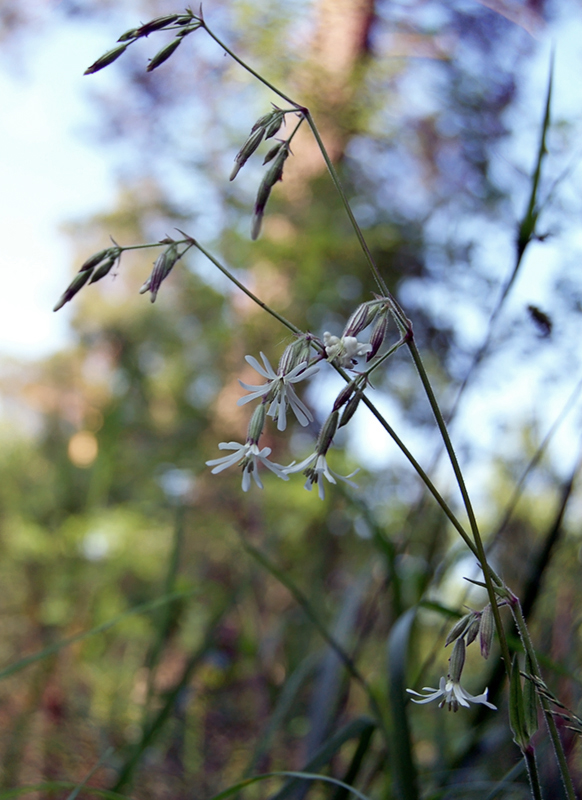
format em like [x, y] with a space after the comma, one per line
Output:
[294, 354]
[162, 268]
[247, 150]
[76, 284]
[344, 396]
[106, 59]
[262, 122]
[132, 33]
[327, 433]
[350, 409]
[273, 174]
[457, 660]
[256, 424]
[163, 55]
[473, 629]
[486, 630]
[272, 152]
[459, 628]
[360, 319]
[273, 126]
[103, 270]
[378, 335]
[157, 24]
[97, 258]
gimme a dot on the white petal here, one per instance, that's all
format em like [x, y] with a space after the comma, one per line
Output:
[301, 466]
[256, 366]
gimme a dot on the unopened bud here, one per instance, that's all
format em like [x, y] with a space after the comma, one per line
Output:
[106, 59]
[360, 319]
[97, 258]
[262, 122]
[350, 409]
[247, 150]
[273, 174]
[132, 33]
[162, 268]
[458, 628]
[344, 396]
[157, 24]
[486, 630]
[256, 424]
[273, 126]
[473, 629]
[103, 270]
[163, 55]
[294, 354]
[378, 335]
[272, 152]
[327, 433]
[76, 284]
[457, 660]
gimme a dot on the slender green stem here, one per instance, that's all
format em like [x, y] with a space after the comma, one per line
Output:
[387, 427]
[488, 574]
[525, 637]
[244, 289]
[529, 757]
[340, 189]
[249, 69]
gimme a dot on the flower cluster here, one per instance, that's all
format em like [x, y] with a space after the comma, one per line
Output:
[278, 393]
[450, 692]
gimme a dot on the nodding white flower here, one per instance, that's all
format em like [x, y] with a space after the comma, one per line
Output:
[345, 350]
[247, 455]
[318, 472]
[452, 694]
[278, 391]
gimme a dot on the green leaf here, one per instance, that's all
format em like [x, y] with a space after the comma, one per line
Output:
[404, 765]
[307, 776]
[516, 709]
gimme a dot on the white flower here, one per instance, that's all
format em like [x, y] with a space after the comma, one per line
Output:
[344, 350]
[246, 455]
[314, 474]
[452, 695]
[280, 391]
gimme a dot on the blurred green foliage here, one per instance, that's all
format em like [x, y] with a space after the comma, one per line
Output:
[275, 609]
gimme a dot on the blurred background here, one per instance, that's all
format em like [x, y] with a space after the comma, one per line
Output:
[209, 613]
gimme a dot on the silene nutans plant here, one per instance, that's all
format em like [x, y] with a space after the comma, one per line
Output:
[495, 633]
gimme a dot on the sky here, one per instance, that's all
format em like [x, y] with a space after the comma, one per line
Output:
[54, 171]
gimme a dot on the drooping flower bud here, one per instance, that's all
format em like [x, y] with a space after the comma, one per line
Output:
[97, 258]
[272, 152]
[294, 354]
[457, 660]
[132, 33]
[103, 270]
[256, 424]
[378, 334]
[350, 409]
[163, 55]
[473, 629]
[486, 630]
[459, 628]
[76, 285]
[247, 150]
[107, 58]
[157, 24]
[272, 175]
[275, 123]
[344, 396]
[360, 319]
[327, 433]
[162, 268]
